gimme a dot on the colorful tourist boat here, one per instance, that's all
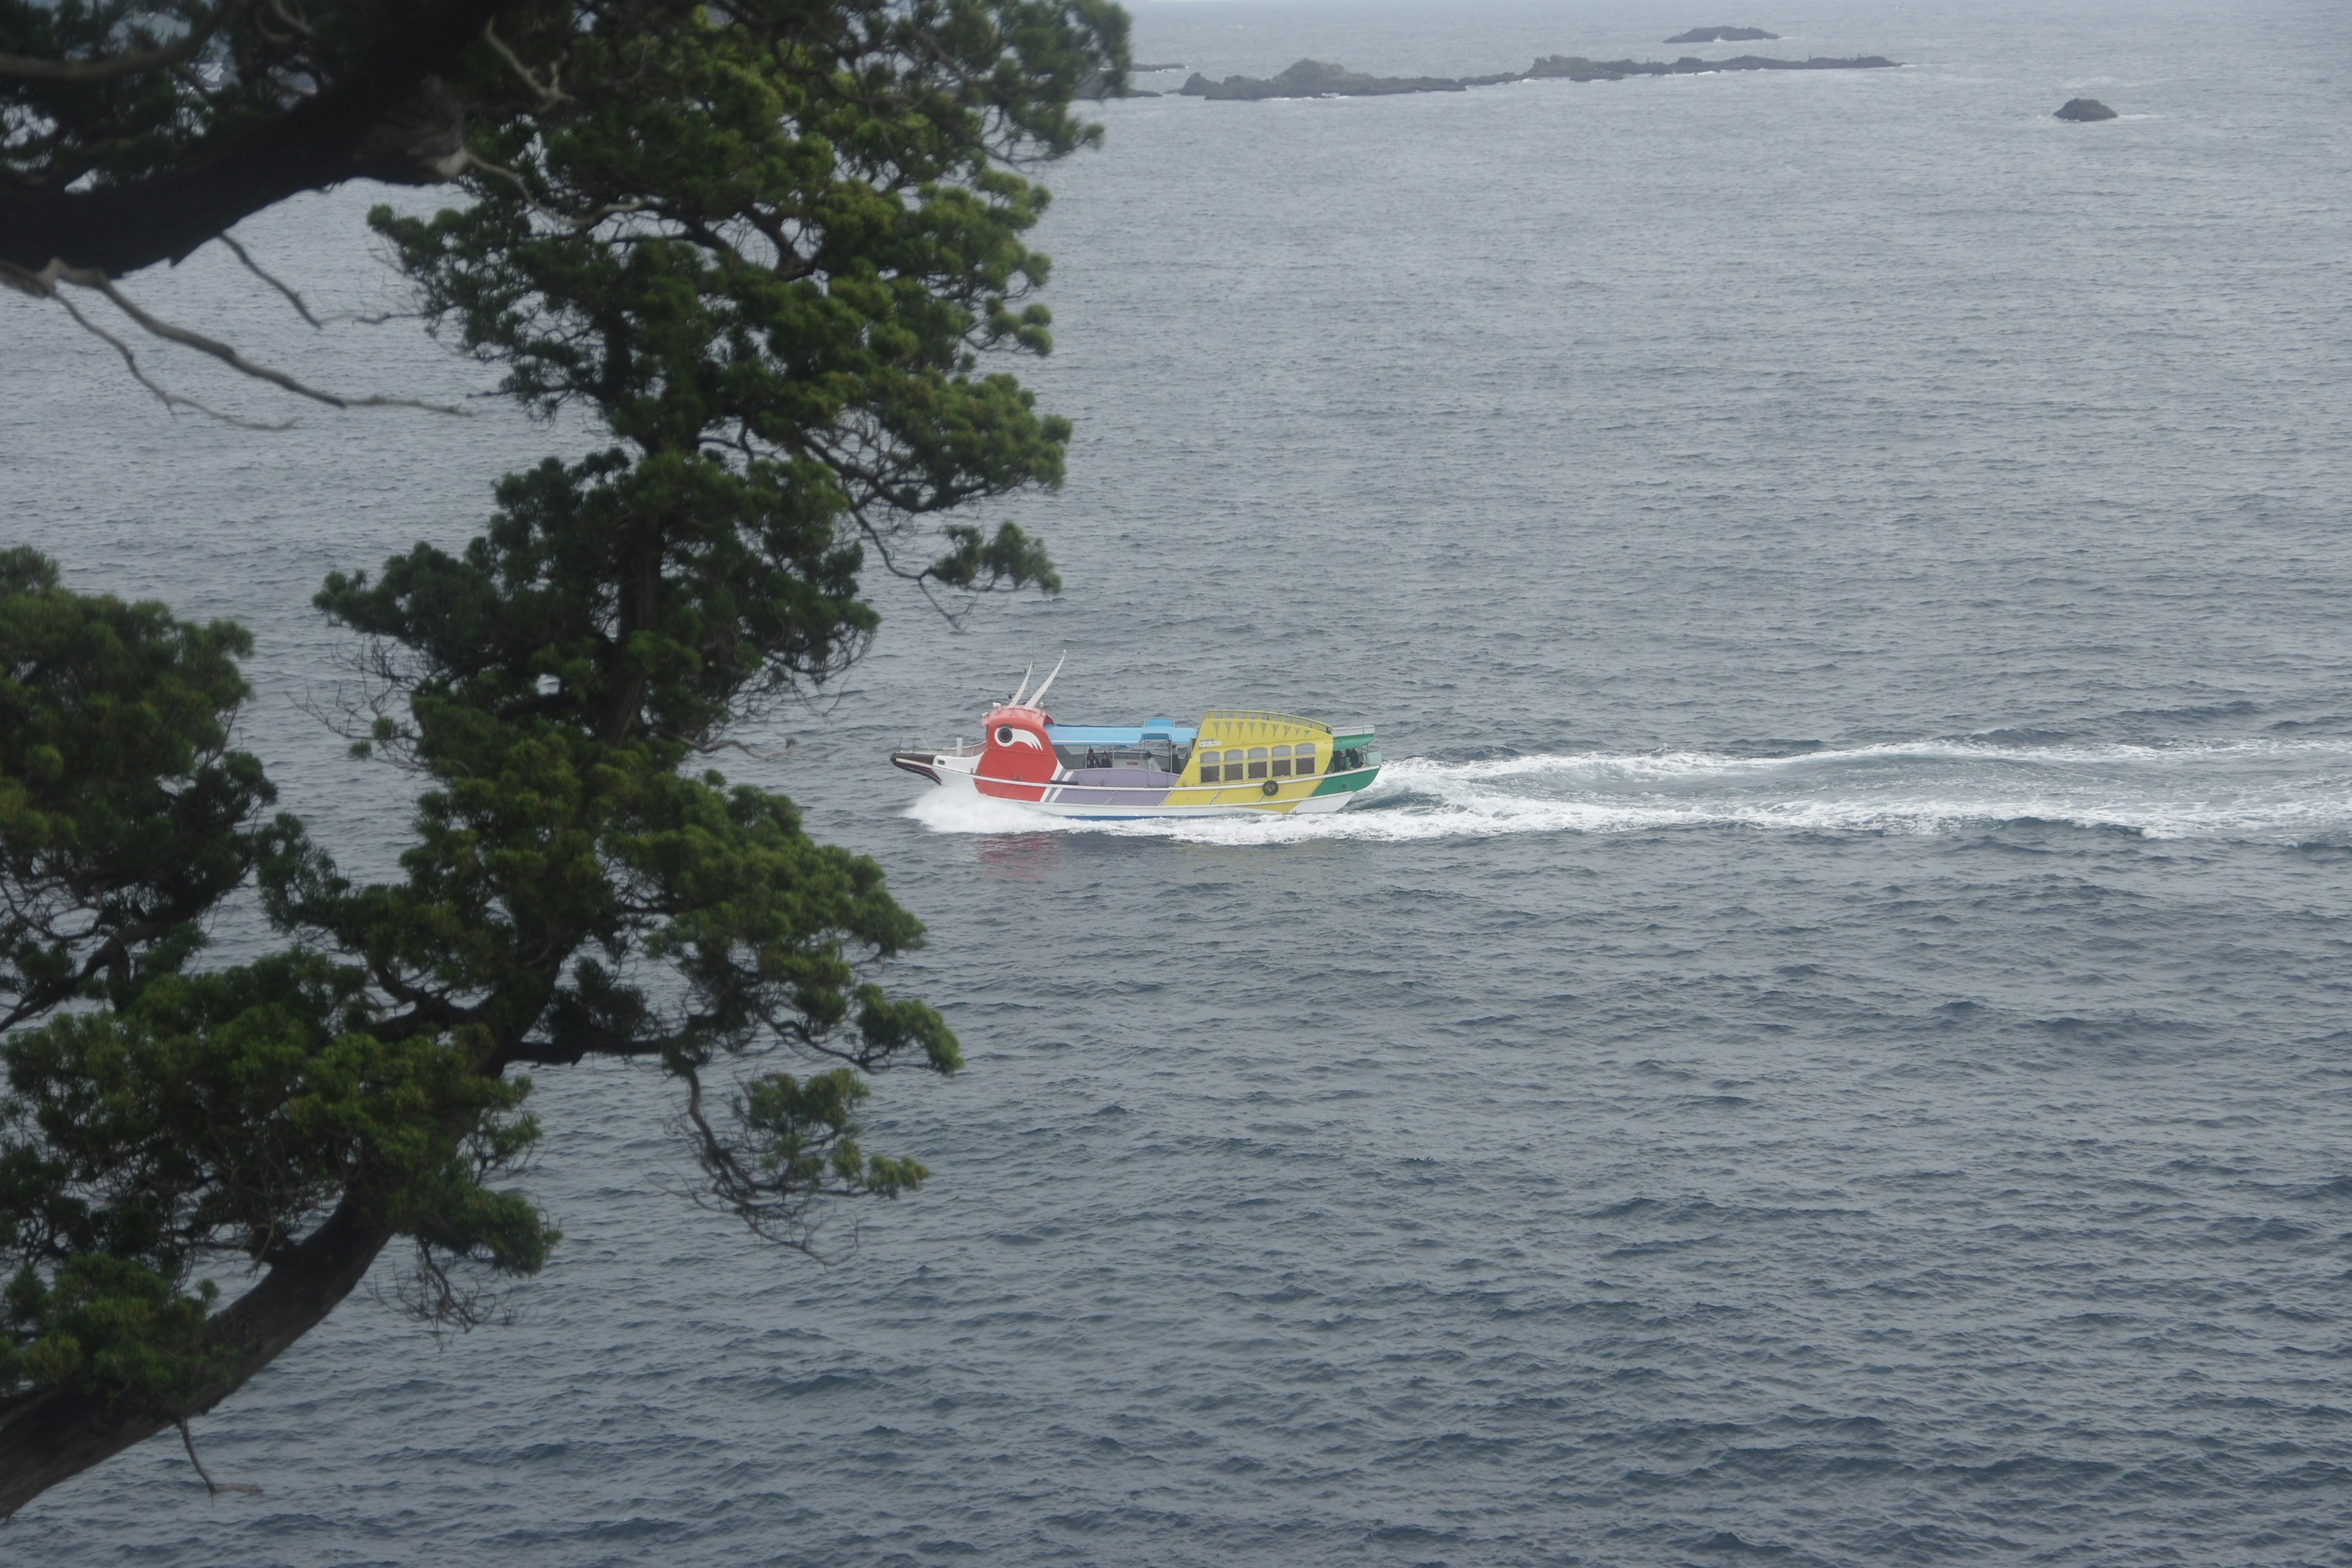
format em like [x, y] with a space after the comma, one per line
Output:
[1237, 761]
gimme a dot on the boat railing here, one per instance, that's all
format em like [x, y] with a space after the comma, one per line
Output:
[1259, 716]
[1233, 715]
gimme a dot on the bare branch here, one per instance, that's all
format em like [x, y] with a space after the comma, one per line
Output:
[772, 1212]
[433, 1297]
[212, 1487]
[234, 359]
[466, 159]
[549, 92]
[706, 748]
[171, 400]
[956, 619]
[577, 1047]
[287, 17]
[256, 268]
[43, 285]
[37, 284]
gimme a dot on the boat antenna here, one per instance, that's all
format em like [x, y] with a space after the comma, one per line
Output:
[1038, 700]
[1014, 700]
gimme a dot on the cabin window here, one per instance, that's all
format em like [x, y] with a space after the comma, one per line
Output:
[1306, 764]
[1257, 761]
[1210, 772]
[1282, 762]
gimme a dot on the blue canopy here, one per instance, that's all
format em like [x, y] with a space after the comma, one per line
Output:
[1122, 735]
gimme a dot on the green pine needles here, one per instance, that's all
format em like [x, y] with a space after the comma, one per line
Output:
[771, 247]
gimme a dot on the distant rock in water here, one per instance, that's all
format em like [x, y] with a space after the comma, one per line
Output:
[1721, 35]
[1097, 87]
[2086, 108]
[1314, 78]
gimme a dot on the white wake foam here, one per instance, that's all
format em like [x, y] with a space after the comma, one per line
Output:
[2287, 789]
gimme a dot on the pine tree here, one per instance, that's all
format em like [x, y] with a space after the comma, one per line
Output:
[771, 248]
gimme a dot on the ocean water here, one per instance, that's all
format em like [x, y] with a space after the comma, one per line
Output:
[1827, 1044]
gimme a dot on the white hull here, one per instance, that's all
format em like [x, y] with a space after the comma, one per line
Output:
[1313, 805]
[959, 773]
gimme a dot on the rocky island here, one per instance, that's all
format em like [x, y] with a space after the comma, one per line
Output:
[1722, 35]
[1316, 78]
[2084, 109]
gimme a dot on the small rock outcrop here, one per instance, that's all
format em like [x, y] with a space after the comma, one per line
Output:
[1097, 87]
[2086, 108]
[1722, 35]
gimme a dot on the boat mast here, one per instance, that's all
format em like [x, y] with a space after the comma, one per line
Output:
[1039, 700]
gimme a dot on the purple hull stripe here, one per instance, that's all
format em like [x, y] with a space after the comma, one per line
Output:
[1140, 788]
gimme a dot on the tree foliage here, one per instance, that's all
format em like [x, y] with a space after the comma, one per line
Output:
[124, 813]
[772, 248]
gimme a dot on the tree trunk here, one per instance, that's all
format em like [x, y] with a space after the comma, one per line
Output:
[640, 610]
[54, 1437]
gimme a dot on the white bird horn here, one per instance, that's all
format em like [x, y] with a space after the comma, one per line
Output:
[1038, 700]
[1015, 700]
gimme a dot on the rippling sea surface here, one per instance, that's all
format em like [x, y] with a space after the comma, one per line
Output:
[1827, 1043]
